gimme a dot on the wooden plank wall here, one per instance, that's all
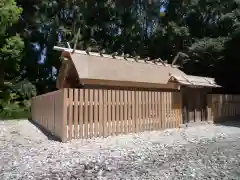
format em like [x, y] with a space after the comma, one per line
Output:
[87, 113]
[104, 112]
[194, 103]
[49, 111]
[223, 105]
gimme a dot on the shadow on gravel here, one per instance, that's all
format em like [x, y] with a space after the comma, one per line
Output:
[44, 131]
[228, 121]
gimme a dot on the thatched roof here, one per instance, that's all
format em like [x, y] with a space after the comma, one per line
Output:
[91, 68]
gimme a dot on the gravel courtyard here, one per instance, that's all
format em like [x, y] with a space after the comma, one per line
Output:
[199, 152]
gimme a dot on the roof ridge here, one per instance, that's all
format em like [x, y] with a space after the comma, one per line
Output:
[131, 59]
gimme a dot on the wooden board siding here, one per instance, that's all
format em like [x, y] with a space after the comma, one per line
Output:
[223, 106]
[194, 105]
[105, 112]
[86, 113]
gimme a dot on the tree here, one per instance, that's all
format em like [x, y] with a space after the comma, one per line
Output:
[14, 91]
[11, 45]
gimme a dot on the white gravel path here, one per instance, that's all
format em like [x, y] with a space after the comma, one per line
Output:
[200, 152]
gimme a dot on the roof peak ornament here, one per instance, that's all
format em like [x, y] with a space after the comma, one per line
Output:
[88, 50]
[102, 52]
[146, 59]
[114, 55]
[126, 56]
[136, 58]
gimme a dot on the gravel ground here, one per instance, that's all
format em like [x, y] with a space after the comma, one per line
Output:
[200, 152]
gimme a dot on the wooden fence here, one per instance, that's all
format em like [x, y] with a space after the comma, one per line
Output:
[49, 111]
[222, 106]
[86, 113]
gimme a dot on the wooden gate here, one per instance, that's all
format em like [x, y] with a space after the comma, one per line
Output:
[194, 105]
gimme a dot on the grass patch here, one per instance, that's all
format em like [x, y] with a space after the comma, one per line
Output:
[14, 114]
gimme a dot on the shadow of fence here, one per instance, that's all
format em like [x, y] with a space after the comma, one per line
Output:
[49, 135]
[228, 121]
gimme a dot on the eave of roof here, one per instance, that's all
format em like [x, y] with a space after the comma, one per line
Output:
[189, 80]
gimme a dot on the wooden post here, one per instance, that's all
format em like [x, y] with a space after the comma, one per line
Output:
[209, 108]
[63, 120]
[70, 115]
[180, 108]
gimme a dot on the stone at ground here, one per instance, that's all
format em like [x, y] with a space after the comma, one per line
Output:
[198, 152]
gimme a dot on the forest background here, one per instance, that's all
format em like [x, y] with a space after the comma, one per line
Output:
[207, 32]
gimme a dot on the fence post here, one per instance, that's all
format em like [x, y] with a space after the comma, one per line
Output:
[209, 108]
[32, 110]
[63, 121]
[180, 93]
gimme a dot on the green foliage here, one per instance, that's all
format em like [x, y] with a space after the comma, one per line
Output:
[15, 102]
[11, 45]
[11, 53]
[9, 14]
[25, 89]
[13, 111]
[14, 93]
[209, 45]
